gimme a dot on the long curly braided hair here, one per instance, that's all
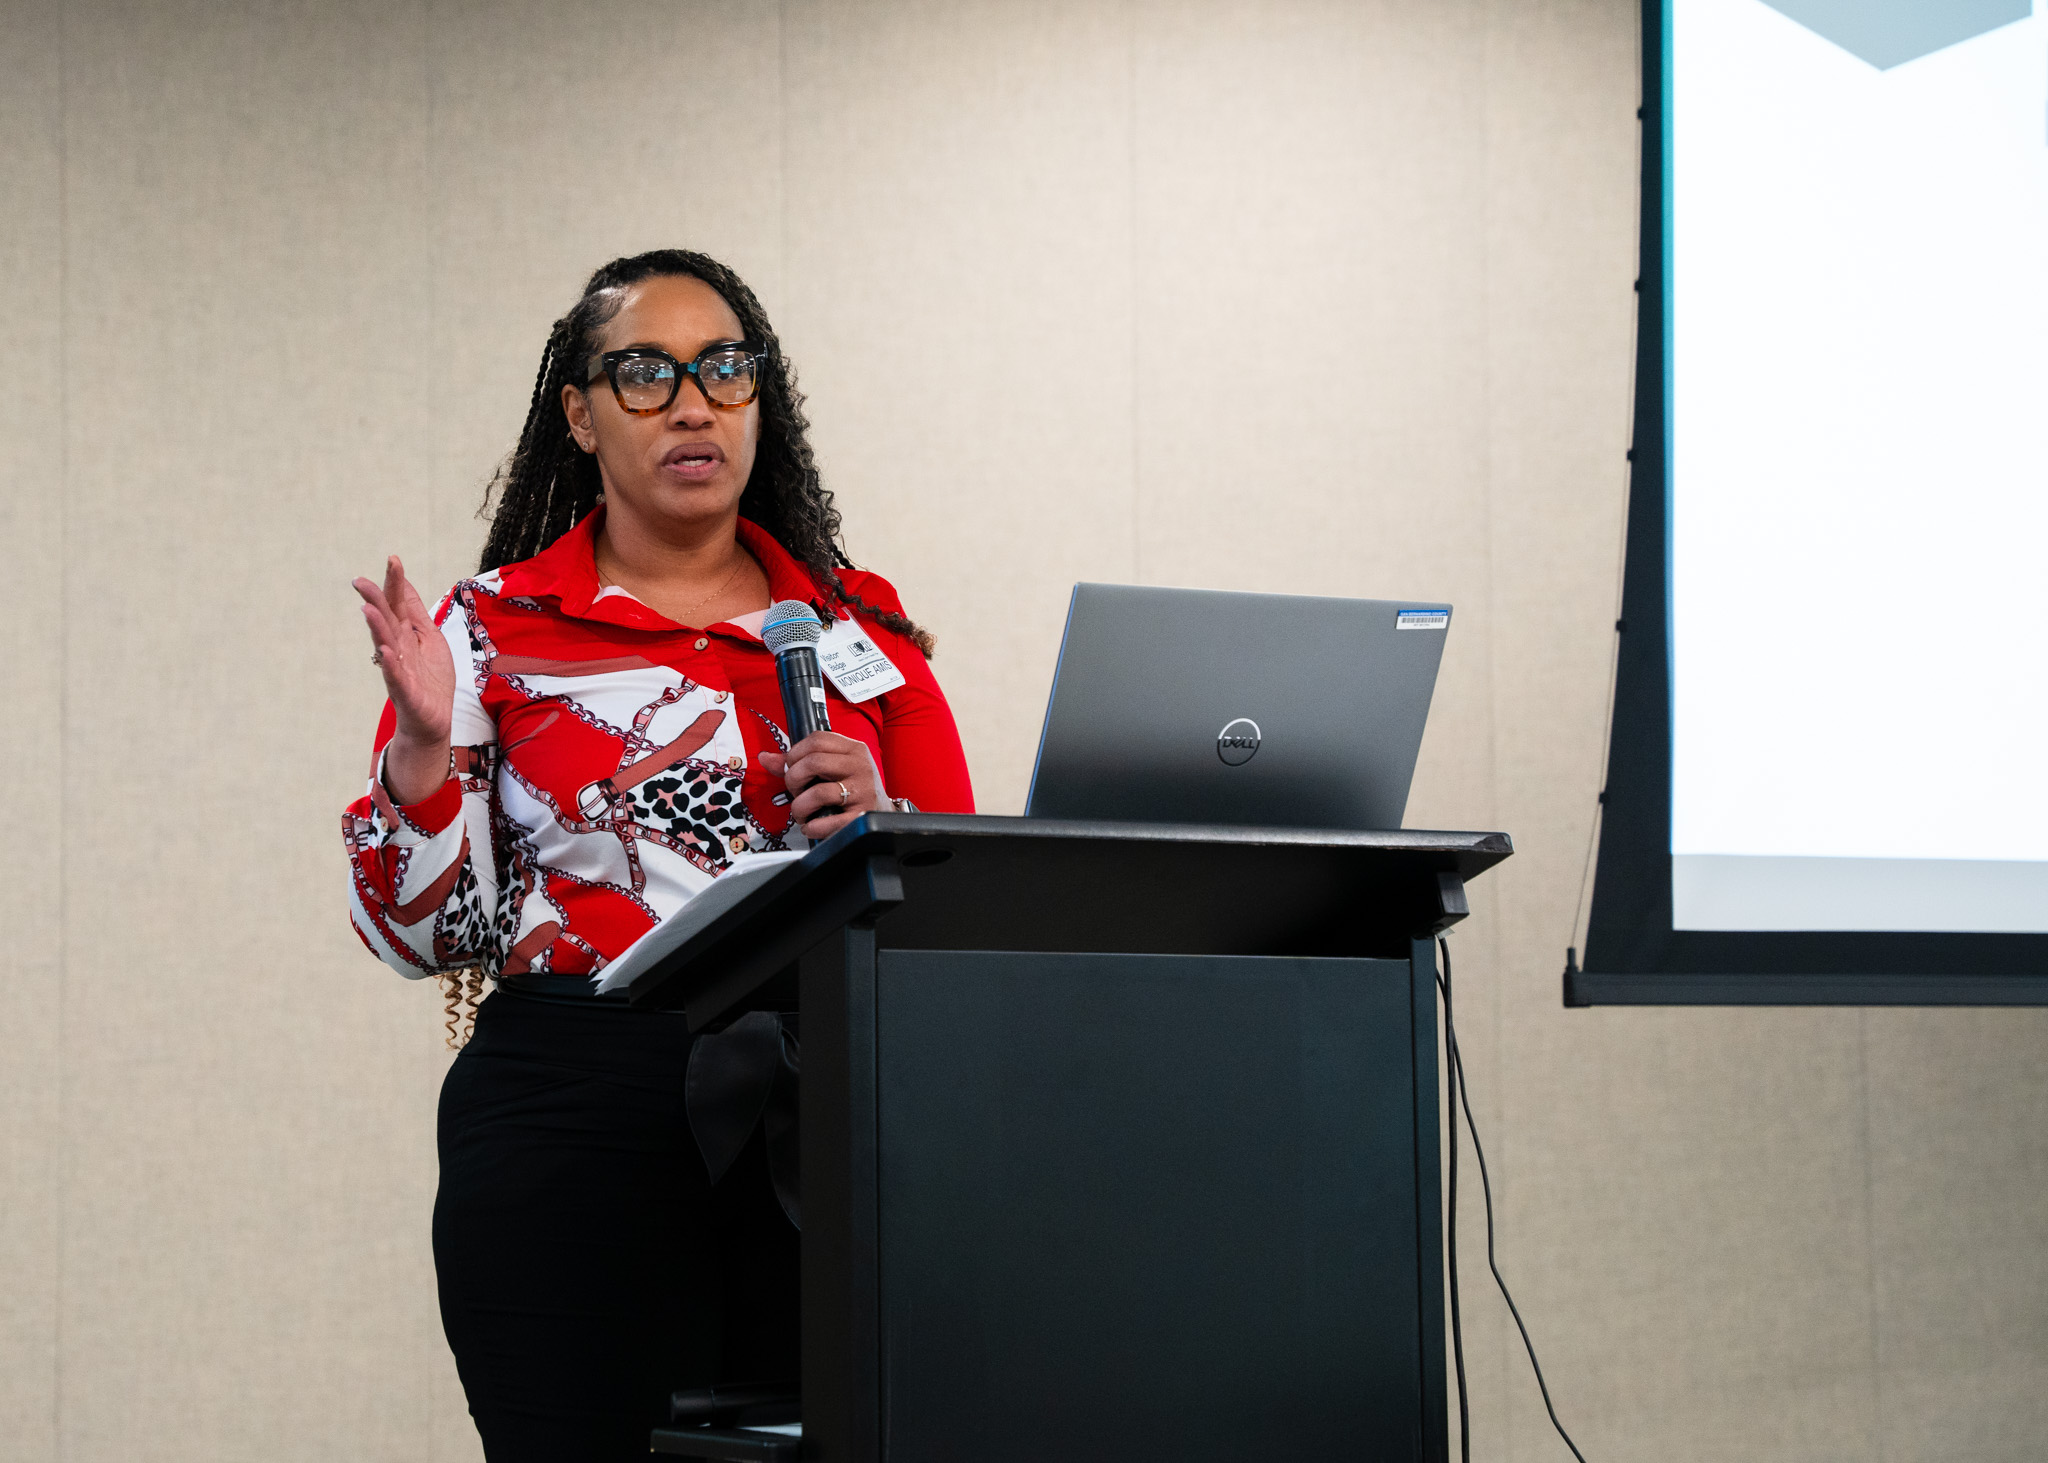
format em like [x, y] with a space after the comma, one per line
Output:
[549, 483]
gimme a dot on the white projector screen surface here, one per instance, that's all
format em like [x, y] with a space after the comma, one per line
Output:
[1858, 521]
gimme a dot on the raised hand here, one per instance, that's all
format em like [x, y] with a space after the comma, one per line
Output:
[419, 676]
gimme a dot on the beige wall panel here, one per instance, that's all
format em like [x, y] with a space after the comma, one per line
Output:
[1311, 324]
[959, 307]
[1959, 1143]
[31, 860]
[1686, 1228]
[1562, 157]
[1559, 95]
[1559, 102]
[1682, 1221]
[561, 140]
[249, 1100]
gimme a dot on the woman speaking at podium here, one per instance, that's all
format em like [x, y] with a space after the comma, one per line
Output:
[579, 739]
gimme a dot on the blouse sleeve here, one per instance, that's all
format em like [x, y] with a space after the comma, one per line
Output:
[922, 758]
[423, 877]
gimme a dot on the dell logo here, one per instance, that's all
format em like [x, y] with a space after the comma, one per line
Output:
[1237, 743]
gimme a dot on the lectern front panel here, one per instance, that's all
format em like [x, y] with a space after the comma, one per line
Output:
[1136, 1207]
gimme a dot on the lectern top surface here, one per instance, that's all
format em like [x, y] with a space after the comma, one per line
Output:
[951, 881]
[1476, 852]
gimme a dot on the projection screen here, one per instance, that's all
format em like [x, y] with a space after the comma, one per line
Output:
[1828, 775]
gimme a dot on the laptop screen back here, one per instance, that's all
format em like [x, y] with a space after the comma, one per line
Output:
[1205, 706]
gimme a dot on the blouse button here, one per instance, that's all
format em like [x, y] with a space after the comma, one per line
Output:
[719, 699]
[702, 643]
[735, 763]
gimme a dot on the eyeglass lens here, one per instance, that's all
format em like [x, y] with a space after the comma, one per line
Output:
[727, 376]
[648, 383]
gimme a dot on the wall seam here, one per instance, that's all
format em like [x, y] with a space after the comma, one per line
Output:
[1131, 166]
[60, 1186]
[436, 450]
[782, 149]
[1496, 995]
[1870, 1231]
[436, 457]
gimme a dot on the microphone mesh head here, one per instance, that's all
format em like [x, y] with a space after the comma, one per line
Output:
[790, 622]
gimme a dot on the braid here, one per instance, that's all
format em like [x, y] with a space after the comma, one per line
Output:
[549, 483]
[460, 990]
[902, 624]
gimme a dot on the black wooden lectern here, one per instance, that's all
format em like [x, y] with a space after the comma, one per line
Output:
[1119, 1141]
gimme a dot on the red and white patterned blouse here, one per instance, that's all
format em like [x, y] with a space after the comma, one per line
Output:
[606, 766]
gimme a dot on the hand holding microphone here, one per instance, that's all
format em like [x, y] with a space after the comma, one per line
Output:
[832, 779]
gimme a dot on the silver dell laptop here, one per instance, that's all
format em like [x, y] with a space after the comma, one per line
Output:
[1202, 706]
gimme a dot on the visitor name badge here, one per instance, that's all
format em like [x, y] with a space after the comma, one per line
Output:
[854, 664]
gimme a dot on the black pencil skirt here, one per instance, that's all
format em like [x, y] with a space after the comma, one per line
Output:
[587, 1266]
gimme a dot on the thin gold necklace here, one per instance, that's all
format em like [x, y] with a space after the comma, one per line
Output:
[607, 581]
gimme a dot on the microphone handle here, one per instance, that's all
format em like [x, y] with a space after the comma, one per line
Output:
[803, 692]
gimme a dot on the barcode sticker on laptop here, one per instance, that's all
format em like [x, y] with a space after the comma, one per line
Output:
[1422, 620]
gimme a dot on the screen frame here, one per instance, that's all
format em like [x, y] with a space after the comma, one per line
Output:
[1633, 954]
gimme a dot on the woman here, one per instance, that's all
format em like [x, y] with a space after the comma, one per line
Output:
[577, 741]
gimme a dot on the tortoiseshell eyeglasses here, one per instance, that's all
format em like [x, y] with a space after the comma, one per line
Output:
[645, 380]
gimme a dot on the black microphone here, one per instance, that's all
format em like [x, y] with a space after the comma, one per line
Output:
[792, 631]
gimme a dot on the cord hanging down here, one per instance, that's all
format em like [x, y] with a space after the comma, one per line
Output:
[1461, 1097]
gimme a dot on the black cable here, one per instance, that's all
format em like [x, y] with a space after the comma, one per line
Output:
[1463, 1096]
[1457, 1324]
